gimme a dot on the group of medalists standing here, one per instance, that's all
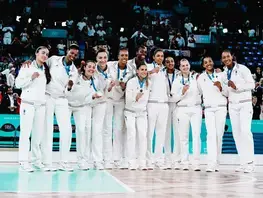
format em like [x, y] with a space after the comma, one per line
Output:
[120, 106]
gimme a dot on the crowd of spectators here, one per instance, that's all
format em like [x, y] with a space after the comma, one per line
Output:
[21, 34]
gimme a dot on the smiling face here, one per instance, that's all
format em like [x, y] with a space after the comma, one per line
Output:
[141, 53]
[227, 59]
[169, 63]
[102, 58]
[184, 66]
[89, 69]
[123, 57]
[142, 71]
[42, 55]
[208, 64]
[158, 57]
[72, 55]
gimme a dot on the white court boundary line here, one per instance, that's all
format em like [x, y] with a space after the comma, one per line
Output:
[120, 182]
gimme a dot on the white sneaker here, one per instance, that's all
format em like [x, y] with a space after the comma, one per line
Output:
[99, 166]
[143, 168]
[241, 168]
[26, 167]
[168, 165]
[249, 168]
[83, 166]
[132, 165]
[185, 167]
[124, 164]
[196, 168]
[117, 164]
[211, 168]
[64, 166]
[41, 166]
[50, 167]
[176, 166]
[150, 166]
[160, 166]
[108, 165]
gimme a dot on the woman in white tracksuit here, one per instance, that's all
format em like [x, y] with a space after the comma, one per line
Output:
[120, 73]
[188, 111]
[104, 72]
[214, 94]
[171, 159]
[135, 112]
[157, 111]
[32, 80]
[96, 111]
[78, 98]
[83, 97]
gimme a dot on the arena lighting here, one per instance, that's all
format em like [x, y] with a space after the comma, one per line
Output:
[195, 28]
[64, 24]
[161, 39]
[40, 21]
[122, 29]
[55, 23]
[18, 18]
[225, 30]
[240, 31]
[29, 20]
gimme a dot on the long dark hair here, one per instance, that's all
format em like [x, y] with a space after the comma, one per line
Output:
[47, 70]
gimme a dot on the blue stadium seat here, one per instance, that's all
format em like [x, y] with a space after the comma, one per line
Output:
[7, 136]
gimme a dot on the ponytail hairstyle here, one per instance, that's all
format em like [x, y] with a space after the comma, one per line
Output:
[47, 70]
[147, 79]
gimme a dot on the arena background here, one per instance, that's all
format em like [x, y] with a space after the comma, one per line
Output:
[10, 129]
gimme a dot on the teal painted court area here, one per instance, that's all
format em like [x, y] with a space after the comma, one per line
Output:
[92, 181]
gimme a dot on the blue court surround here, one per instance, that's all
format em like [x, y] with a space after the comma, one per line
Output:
[91, 181]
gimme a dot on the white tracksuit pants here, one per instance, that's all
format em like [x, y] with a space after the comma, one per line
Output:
[186, 116]
[241, 118]
[31, 120]
[215, 119]
[60, 107]
[95, 119]
[113, 151]
[80, 118]
[170, 156]
[157, 121]
[136, 124]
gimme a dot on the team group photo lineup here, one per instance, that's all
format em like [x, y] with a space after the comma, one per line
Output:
[130, 113]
